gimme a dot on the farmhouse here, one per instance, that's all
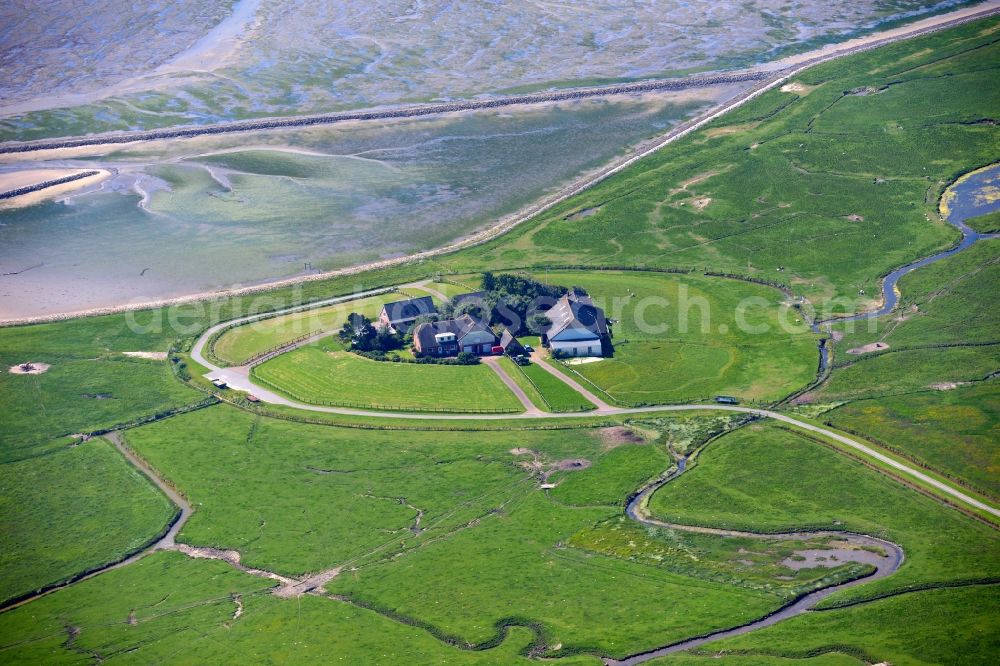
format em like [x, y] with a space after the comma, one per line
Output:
[400, 315]
[451, 336]
[578, 326]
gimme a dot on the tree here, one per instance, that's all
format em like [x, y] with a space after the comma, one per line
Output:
[489, 282]
[466, 358]
[538, 323]
[385, 340]
[358, 332]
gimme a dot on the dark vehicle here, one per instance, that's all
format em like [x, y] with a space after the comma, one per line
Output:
[522, 360]
[726, 400]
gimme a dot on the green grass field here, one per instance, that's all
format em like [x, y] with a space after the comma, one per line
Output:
[444, 525]
[687, 338]
[74, 509]
[908, 372]
[767, 479]
[946, 626]
[310, 374]
[547, 393]
[79, 394]
[950, 302]
[849, 181]
[985, 224]
[142, 613]
[482, 516]
[237, 345]
[955, 432]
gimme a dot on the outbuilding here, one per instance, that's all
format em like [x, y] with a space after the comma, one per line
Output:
[578, 327]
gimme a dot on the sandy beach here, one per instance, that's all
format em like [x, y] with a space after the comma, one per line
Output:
[12, 180]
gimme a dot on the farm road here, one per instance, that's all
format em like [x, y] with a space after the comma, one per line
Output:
[529, 407]
[602, 406]
[239, 380]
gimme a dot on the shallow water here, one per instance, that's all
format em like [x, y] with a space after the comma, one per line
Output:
[182, 217]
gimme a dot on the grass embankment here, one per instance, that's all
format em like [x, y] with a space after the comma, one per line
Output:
[685, 338]
[954, 431]
[312, 375]
[985, 224]
[766, 479]
[844, 181]
[947, 626]
[546, 392]
[837, 189]
[238, 345]
[70, 511]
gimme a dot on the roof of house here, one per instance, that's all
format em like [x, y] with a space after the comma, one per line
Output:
[576, 311]
[409, 309]
[508, 340]
[424, 334]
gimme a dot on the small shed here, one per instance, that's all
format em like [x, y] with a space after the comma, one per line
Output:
[511, 347]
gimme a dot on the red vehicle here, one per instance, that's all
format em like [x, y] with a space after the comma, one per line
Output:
[497, 350]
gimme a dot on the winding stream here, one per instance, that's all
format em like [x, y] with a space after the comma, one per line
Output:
[962, 204]
[859, 550]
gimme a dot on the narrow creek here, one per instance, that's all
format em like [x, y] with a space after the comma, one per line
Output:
[860, 549]
[964, 200]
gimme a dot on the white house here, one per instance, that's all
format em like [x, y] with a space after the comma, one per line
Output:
[578, 327]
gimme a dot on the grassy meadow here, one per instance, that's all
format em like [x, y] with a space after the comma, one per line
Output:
[850, 181]
[237, 345]
[443, 530]
[764, 478]
[360, 494]
[310, 374]
[687, 338]
[76, 508]
[79, 393]
[954, 432]
[943, 626]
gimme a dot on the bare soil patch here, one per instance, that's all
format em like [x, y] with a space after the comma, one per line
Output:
[29, 368]
[713, 132]
[798, 88]
[619, 436]
[947, 386]
[855, 218]
[152, 356]
[701, 203]
[869, 348]
[695, 180]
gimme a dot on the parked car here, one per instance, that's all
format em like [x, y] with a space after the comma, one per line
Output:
[529, 348]
[521, 359]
